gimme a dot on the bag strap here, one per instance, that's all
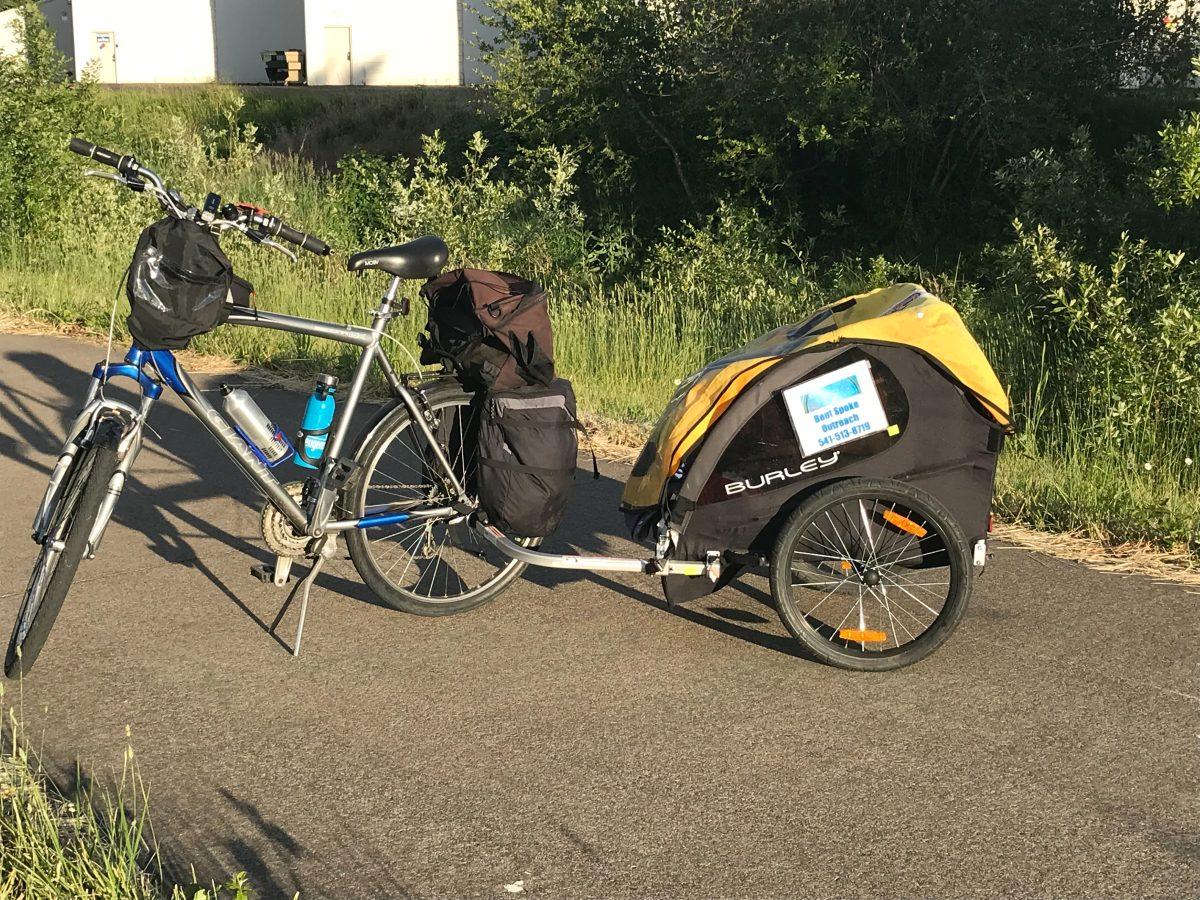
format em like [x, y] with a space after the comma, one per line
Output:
[517, 467]
[531, 360]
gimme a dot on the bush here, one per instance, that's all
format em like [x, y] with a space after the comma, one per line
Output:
[524, 220]
[890, 116]
[38, 110]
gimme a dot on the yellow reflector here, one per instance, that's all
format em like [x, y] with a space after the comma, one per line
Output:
[904, 523]
[863, 635]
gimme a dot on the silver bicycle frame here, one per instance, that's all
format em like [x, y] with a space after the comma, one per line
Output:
[316, 521]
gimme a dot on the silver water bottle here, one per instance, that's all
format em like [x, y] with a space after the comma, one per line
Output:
[256, 429]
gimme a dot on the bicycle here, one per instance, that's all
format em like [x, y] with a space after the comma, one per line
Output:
[401, 491]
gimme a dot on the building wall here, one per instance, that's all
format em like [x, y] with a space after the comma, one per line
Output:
[10, 44]
[245, 29]
[474, 31]
[58, 16]
[156, 41]
[391, 41]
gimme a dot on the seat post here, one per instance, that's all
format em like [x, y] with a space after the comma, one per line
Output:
[389, 296]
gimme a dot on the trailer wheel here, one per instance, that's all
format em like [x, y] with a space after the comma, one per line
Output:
[871, 574]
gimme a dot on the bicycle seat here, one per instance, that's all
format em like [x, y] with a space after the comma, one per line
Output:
[422, 258]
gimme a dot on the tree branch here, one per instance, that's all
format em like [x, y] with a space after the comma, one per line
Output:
[666, 141]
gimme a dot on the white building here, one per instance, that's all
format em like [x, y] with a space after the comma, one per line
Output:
[58, 15]
[371, 42]
[181, 41]
[391, 42]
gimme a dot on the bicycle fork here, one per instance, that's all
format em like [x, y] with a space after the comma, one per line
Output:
[95, 408]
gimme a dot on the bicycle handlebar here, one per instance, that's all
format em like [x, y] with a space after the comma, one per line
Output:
[96, 152]
[265, 223]
[306, 241]
[273, 226]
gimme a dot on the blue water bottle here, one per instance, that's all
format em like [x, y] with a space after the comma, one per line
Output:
[314, 429]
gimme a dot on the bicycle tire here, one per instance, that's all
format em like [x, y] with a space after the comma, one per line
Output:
[362, 547]
[834, 555]
[72, 525]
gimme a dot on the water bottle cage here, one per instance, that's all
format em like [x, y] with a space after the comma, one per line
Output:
[302, 448]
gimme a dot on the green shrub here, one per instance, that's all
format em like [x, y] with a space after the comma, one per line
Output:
[891, 117]
[38, 110]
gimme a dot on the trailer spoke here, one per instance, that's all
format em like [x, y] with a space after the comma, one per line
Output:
[879, 568]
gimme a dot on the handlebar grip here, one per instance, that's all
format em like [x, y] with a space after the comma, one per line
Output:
[306, 241]
[93, 151]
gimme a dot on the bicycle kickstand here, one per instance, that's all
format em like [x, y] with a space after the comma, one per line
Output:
[325, 549]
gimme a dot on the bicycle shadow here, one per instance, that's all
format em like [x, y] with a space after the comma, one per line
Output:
[167, 483]
[736, 610]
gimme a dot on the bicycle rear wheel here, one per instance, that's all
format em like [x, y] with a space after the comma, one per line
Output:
[431, 567]
[63, 548]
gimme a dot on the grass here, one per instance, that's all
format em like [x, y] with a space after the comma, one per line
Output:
[319, 124]
[83, 842]
[624, 349]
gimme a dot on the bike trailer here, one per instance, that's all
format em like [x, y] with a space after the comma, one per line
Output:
[887, 384]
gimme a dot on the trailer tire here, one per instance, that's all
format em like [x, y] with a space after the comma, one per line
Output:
[844, 547]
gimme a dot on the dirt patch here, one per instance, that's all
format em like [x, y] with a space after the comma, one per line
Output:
[1133, 558]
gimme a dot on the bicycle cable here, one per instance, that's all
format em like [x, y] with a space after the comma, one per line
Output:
[112, 324]
[417, 367]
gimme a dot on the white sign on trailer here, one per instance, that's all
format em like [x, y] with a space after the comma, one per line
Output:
[835, 408]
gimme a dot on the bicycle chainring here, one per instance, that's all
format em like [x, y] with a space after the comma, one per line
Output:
[277, 532]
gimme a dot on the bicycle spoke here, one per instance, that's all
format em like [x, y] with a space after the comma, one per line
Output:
[433, 566]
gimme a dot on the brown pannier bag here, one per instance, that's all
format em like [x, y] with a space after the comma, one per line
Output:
[491, 329]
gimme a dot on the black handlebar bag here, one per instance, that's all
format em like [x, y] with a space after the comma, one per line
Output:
[178, 285]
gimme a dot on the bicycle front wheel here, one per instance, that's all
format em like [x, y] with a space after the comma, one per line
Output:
[63, 549]
[431, 567]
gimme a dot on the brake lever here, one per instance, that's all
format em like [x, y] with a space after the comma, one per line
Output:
[133, 183]
[267, 242]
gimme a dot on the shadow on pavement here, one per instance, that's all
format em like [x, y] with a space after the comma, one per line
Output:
[174, 440]
[603, 526]
[180, 443]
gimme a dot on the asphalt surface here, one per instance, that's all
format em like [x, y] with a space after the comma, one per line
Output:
[575, 735]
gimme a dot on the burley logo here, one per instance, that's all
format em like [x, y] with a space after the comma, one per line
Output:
[780, 475]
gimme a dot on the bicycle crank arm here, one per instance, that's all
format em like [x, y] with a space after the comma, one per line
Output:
[710, 567]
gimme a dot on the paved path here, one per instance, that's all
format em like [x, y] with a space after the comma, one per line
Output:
[579, 737]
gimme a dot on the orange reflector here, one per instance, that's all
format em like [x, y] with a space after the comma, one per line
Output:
[904, 523]
[846, 566]
[864, 635]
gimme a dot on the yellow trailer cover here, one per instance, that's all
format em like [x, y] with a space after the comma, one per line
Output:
[904, 314]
